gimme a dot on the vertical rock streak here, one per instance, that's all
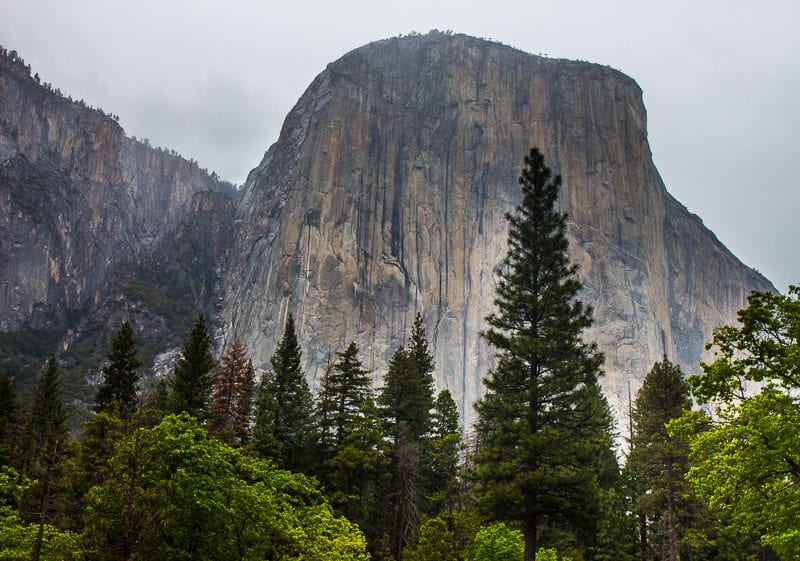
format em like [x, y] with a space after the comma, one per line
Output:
[412, 162]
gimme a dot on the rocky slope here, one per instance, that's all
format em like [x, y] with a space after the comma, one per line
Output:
[97, 228]
[386, 192]
[77, 197]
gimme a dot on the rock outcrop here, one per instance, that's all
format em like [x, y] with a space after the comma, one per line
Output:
[77, 198]
[386, 192]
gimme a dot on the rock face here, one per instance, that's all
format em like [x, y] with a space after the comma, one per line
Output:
[77, 198]
[386, 192]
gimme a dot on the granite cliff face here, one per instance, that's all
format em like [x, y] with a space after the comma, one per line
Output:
[386, 192]
[77, 198]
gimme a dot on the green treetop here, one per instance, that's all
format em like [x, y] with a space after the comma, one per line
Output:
[343, 391]
[658, 462]
[194, 373]
[121, 374]
[284, 419]
[541, 427]
[407, 395]
[746, 460]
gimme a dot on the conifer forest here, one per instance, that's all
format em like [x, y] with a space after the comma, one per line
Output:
[221, 461]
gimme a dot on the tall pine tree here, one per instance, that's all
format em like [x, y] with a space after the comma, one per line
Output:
[407, 395]
[8, 417]
[194, 373]
[231, 396]
[121, 374]
[658, 462]
[284, 409]
[47, 449]
[344, 390]
[442, 456]
[540, 425]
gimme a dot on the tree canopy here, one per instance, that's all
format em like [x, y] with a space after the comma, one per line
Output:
[543, 423]
[746, 457]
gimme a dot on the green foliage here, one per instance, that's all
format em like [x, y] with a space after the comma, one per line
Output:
[9, 411]
[177, 493]
[441, 456]
[121, 374]
[658, 462]
[284, 408]
[194, 373]
[175, 308]
[498, 542]
[407, 395]
[22, 353]
[746, 461]
[357, 468]
[543, 425]
[344, 389]
[550, 554]
[89, 466]
[406, 401]
[616, 531]
[435, 543]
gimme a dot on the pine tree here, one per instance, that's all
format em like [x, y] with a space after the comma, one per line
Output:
[194, 376]
[353, 447]
[658, 462]
[407, 395]
[441, 456]
[47, 450]
[231, 396]
[8, 417]
[343, 392]
[540, 426]
[284, 422]
[121, 374]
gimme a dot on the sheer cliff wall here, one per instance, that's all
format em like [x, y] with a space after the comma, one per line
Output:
[386, 192]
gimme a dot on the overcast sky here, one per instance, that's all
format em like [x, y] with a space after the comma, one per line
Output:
[721, 81]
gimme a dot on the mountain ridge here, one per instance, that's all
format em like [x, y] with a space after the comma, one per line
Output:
[383, 196]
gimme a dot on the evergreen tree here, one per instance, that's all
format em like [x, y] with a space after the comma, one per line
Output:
[658, 462]
[540, 425]
[8, 416]
[47, 449]
[121, 374]
[354, 449]
[343, 392]
[407, 395]
[89, 467]
[435, 543]
[356, 473]
[231, 396]
[194, 376]
[441, 456]
[405, 489]
[284, 421]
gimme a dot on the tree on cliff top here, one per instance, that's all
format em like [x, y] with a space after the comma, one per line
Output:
[541, 426]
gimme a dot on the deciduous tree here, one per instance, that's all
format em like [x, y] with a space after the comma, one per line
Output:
[746, 460]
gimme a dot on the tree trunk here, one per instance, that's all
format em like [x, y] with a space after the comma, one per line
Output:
[52, 460]
[672, 525]
[529, 532]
